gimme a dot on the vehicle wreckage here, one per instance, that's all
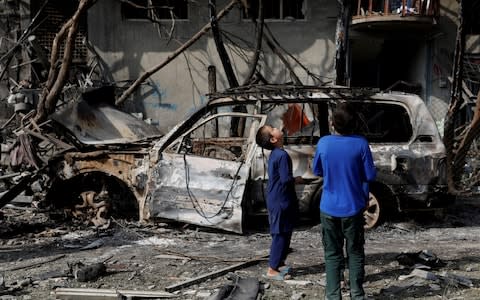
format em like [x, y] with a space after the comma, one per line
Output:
[208, 170]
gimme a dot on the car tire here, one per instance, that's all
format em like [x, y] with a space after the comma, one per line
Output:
[373, 212]
[380, 205]
[95, 193]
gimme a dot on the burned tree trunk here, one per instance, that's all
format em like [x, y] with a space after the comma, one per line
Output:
[258, 42]
[237, 125]
[471, 134]
[341, 41]
[227, 65]
[455, 103]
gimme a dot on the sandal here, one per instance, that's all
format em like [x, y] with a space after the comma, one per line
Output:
[279, 277]
[285, 269]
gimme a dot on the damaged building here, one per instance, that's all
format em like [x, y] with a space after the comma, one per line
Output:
[119, 150]
[384, 47]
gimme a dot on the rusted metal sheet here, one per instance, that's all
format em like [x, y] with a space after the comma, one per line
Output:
[103, 124]
[198, 190]
[129, 168]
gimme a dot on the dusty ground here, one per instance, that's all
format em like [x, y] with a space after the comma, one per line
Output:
[35, 254]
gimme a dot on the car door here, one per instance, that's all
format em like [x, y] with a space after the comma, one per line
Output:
[202, 176]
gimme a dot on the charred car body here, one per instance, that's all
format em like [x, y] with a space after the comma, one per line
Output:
[209, 171]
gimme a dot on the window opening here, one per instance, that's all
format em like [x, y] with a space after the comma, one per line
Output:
[278, 9]
[297, 120]
[54, 15]
[207, 141]
[384, 123]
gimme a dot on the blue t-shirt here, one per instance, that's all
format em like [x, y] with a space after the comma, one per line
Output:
[282, 201]
[346, 164]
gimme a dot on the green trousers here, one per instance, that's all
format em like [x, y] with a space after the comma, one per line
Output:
[336, 232]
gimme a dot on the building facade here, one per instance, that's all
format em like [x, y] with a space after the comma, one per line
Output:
[388, 45]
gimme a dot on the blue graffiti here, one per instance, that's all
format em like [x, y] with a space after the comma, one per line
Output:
[169, 106]
[203, 99]
[159, 94]
[162, 93]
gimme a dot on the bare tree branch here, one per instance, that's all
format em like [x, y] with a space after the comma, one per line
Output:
[471, 134]
[9, 55]
[224, 58]
[185, 46]
[269, 39]
[258, 41]
[455, 101]
[315, 76]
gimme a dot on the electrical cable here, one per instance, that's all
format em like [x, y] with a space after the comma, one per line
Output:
[194, 200]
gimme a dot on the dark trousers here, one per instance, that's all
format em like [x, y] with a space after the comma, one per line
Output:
[279, 249]
[335, 232]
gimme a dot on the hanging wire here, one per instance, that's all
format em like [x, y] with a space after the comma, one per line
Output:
[196, 204]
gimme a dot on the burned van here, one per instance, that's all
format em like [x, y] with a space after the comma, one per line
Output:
[208, 170]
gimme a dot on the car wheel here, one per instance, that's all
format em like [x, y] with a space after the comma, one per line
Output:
[94, 197]
[373, 212]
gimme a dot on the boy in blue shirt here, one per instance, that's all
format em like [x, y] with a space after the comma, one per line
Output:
[345, 162]
[282, 203]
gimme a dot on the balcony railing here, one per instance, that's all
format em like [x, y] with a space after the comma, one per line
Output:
[404, 8]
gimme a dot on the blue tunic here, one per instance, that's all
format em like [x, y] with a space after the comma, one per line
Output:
[346, 164]
[282, 201]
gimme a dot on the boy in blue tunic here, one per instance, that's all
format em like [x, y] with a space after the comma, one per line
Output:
[345, 162]
[282, 203]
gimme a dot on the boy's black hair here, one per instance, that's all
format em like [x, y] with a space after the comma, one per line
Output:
[263, 138]
[344, 118]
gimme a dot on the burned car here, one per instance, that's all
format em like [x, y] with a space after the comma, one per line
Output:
[208, 170]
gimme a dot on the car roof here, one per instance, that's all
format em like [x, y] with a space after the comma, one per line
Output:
[306, 94]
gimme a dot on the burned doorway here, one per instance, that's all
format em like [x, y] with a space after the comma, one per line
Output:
[396, 64]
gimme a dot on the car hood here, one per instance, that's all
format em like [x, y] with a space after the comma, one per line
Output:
[102, 123]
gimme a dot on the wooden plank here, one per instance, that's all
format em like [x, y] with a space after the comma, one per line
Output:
[18, 188]
[168, 256]
[103, 294]
[213, 274]
[10, 175]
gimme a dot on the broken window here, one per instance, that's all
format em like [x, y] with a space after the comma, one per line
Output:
[296, 120]
[212, 138]
[53, 16]
[278, 9]
[155, 9]
[384, 123]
